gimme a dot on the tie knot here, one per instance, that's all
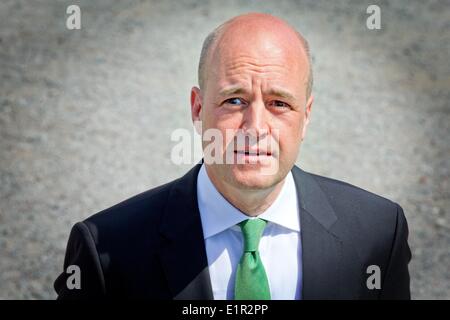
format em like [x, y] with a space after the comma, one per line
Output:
[252, 230]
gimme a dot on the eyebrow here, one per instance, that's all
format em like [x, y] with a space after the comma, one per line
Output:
[278, 92]
[232, 90]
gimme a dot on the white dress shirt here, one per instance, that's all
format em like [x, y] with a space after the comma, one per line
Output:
[279, 248]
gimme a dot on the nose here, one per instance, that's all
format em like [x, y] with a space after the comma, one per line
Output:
[255, 119]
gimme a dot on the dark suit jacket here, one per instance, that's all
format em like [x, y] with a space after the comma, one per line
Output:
[152, 246]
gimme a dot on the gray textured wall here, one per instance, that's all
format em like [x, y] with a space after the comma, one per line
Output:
[86, 116]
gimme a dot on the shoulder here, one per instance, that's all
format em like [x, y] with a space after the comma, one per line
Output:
[355, 206]
[147, 203]
[132, 218]
[353, 196]
[138, 218]
[368, 222]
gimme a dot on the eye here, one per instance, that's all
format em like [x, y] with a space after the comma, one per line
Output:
[235, 101]
[279, 104]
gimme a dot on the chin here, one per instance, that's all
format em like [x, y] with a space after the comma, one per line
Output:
[249, 176]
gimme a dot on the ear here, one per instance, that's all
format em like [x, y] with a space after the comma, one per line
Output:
[308, 107]
[196, 107]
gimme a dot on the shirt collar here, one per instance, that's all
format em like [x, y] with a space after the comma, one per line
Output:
[217, 214]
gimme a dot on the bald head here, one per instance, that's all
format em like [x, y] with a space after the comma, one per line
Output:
[267, 28]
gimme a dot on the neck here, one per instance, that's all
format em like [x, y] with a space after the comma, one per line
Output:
[251, 202]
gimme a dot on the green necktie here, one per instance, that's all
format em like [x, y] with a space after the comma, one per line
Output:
[251, 279]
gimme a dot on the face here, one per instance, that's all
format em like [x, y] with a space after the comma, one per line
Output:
[255, 87]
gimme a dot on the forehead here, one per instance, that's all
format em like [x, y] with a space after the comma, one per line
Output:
[250, 54]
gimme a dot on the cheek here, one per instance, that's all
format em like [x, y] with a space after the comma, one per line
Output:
[225, 122]
[227, 126]
[290, 135]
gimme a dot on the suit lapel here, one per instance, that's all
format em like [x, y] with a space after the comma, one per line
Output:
[183, 252]
[321, 247]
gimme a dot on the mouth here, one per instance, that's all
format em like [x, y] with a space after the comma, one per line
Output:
[256, 153]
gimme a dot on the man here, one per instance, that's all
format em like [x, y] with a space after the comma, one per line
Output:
[237, 230]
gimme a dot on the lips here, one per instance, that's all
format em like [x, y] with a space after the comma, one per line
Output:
[253, 152]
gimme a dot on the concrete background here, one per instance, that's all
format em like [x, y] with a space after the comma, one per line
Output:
[86, 116]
